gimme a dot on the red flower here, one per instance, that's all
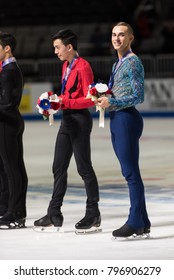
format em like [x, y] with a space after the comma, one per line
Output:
[55, 105]
[46, 113]
[108, 91]
[93, 91]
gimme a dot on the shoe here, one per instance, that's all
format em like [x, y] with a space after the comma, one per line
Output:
[8, 221]
[88, 221]
[57, 220]
[146, 230]
[46, 221]
[126, 231]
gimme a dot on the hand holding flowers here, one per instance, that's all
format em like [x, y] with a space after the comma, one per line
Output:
[103, 102]
[48, 104]
[96, 92]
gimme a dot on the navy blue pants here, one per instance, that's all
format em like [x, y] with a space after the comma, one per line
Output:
[126, 128]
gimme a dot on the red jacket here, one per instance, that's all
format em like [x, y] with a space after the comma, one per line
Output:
[76, 88]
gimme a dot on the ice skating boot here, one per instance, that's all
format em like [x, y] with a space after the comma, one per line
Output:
[89, 224]
[49, 224]
[43, 222]
[127, 231]
[9, 221]
[146, 232]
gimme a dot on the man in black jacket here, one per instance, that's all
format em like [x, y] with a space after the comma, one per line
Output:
[11, 133]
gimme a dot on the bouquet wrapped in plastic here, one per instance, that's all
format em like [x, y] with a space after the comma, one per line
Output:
[48, 104]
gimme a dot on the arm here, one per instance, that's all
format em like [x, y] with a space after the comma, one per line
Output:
[11, 86]
[6, 87]
[74, 96]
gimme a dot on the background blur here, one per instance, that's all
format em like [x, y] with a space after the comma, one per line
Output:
[34, 23]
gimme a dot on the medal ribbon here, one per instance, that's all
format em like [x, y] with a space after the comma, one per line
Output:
[115, 68]
[67, 73]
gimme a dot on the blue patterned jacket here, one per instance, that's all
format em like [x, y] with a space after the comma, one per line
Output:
[128, 84]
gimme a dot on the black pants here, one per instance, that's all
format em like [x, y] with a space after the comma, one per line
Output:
[74, 137]
[11, 154]
[4, 191]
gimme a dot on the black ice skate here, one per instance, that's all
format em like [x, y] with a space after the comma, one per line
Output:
[88, 225]
[127, 231]
[10, 222]
[49, 224]
[146, 232]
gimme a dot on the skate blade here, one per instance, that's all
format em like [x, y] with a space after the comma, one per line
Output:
[146, 235]
[12, 226]
[48, 229]
[132, 237]
[92, 230]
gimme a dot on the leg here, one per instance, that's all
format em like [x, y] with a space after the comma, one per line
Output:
[80, 138]
[9, 146]
[126, 129]
[4, 190]
[62, 156]
[82, 152]
[24, 177]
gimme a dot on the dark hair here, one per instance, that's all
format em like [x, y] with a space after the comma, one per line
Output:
[122, 23]
[7, 39]
[67, 36]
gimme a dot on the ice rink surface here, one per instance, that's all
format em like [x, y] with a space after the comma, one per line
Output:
[157, 168]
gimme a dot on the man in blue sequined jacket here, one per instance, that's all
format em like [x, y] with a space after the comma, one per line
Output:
[126, 125]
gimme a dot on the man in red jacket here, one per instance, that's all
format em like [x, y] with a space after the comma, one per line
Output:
[73, 135]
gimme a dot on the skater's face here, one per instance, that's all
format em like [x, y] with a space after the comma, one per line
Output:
[121, 38]
[63, 52]
[4, 52]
